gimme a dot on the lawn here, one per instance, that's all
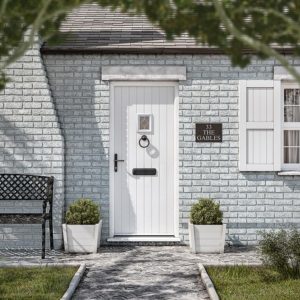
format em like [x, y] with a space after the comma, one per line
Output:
[252, 283]
[35, 283]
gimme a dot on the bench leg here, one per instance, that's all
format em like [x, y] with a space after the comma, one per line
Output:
[51, 232]
[43, 238]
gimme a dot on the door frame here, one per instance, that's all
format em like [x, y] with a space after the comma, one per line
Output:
[113, 84]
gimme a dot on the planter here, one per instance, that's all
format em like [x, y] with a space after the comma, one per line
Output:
[82, 238]
[207, 238]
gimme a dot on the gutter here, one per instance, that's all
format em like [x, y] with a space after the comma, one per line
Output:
[118, 50]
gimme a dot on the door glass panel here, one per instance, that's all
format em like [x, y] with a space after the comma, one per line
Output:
[144, 122]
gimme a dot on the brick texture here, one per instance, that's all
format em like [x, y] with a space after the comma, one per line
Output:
[82, 103]
[251, 201]
[30, 143]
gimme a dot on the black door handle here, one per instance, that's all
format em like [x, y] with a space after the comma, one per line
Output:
[116, 162]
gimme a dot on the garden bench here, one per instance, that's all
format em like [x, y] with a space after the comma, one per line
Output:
[19, 187]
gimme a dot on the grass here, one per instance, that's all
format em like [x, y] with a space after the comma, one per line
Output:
[35, 283]
[252, 283]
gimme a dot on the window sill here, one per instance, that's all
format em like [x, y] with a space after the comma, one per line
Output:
[289, 173]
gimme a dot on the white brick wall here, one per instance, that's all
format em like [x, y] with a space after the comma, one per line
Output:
[30, 143]
[250, 201]
[82, 102]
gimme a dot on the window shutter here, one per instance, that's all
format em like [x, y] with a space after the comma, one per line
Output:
[260, 125]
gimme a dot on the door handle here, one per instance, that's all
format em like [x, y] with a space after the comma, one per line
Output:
[116, 160]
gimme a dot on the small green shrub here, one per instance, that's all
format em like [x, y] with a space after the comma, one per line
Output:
[83, 212]
[206, 212]
[281, 251]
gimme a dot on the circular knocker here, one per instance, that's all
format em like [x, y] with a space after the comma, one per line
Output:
[144, 138]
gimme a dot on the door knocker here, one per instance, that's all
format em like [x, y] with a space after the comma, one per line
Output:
[144, 138]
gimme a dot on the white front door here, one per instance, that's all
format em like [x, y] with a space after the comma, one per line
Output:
[143, 204]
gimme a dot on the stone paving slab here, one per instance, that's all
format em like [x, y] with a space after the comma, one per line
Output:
[138, 272]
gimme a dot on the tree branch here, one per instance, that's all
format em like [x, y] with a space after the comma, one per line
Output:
[251, 42]
[270, 11]
[42, 16]
[24, 45]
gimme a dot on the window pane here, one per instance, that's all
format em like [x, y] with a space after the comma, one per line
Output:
[291, 96]
[292, 146]
[291, 138]
[292, 114]
[291, 105]
[291, 155]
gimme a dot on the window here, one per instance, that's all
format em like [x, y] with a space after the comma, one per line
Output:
[291, 126]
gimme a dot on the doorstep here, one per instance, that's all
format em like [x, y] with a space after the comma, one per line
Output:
[140, 238]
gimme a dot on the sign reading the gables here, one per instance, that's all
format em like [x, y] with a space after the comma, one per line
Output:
[208, 132]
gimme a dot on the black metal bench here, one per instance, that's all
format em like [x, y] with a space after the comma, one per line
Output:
[28, 187]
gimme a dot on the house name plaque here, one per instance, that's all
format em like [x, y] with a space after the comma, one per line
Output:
[208, 132]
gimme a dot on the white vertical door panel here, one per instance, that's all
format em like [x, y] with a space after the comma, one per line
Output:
[147, 163]
[170, 162]
[144, 205]
[118, 175]
[154, 151]
[140, 157]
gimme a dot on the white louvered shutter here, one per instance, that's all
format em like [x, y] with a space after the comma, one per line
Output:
[260, 123]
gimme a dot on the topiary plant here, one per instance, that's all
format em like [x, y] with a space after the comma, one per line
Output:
[206, 212]
[83, 212]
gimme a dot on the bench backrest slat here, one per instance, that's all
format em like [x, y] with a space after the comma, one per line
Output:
[25, 187]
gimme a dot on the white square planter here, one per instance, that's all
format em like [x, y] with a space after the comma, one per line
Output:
[207, 238]
[82, 238]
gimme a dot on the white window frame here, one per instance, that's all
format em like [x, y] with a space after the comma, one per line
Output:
[287, 126]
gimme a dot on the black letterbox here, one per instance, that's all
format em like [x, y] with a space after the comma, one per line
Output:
[144, 171]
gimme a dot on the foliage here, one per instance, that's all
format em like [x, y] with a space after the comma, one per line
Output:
[234, 26]
[281, 250]
[47, 283]
[206, 212]
[83, 212]
[252, 283]
[21, 22]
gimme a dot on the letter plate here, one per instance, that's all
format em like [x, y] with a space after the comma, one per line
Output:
[144, 171]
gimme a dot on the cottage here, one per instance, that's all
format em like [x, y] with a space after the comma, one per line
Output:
[146, 126]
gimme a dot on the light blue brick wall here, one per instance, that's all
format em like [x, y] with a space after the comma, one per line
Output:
[250, 200]
[82, 102]
[30, 143]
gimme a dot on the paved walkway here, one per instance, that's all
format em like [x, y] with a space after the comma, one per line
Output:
[141, 272]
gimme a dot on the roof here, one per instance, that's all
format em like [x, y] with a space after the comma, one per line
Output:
[93, 28]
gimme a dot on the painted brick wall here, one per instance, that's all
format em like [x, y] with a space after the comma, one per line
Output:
[82, 102]
[250, 200]
[30, 143]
